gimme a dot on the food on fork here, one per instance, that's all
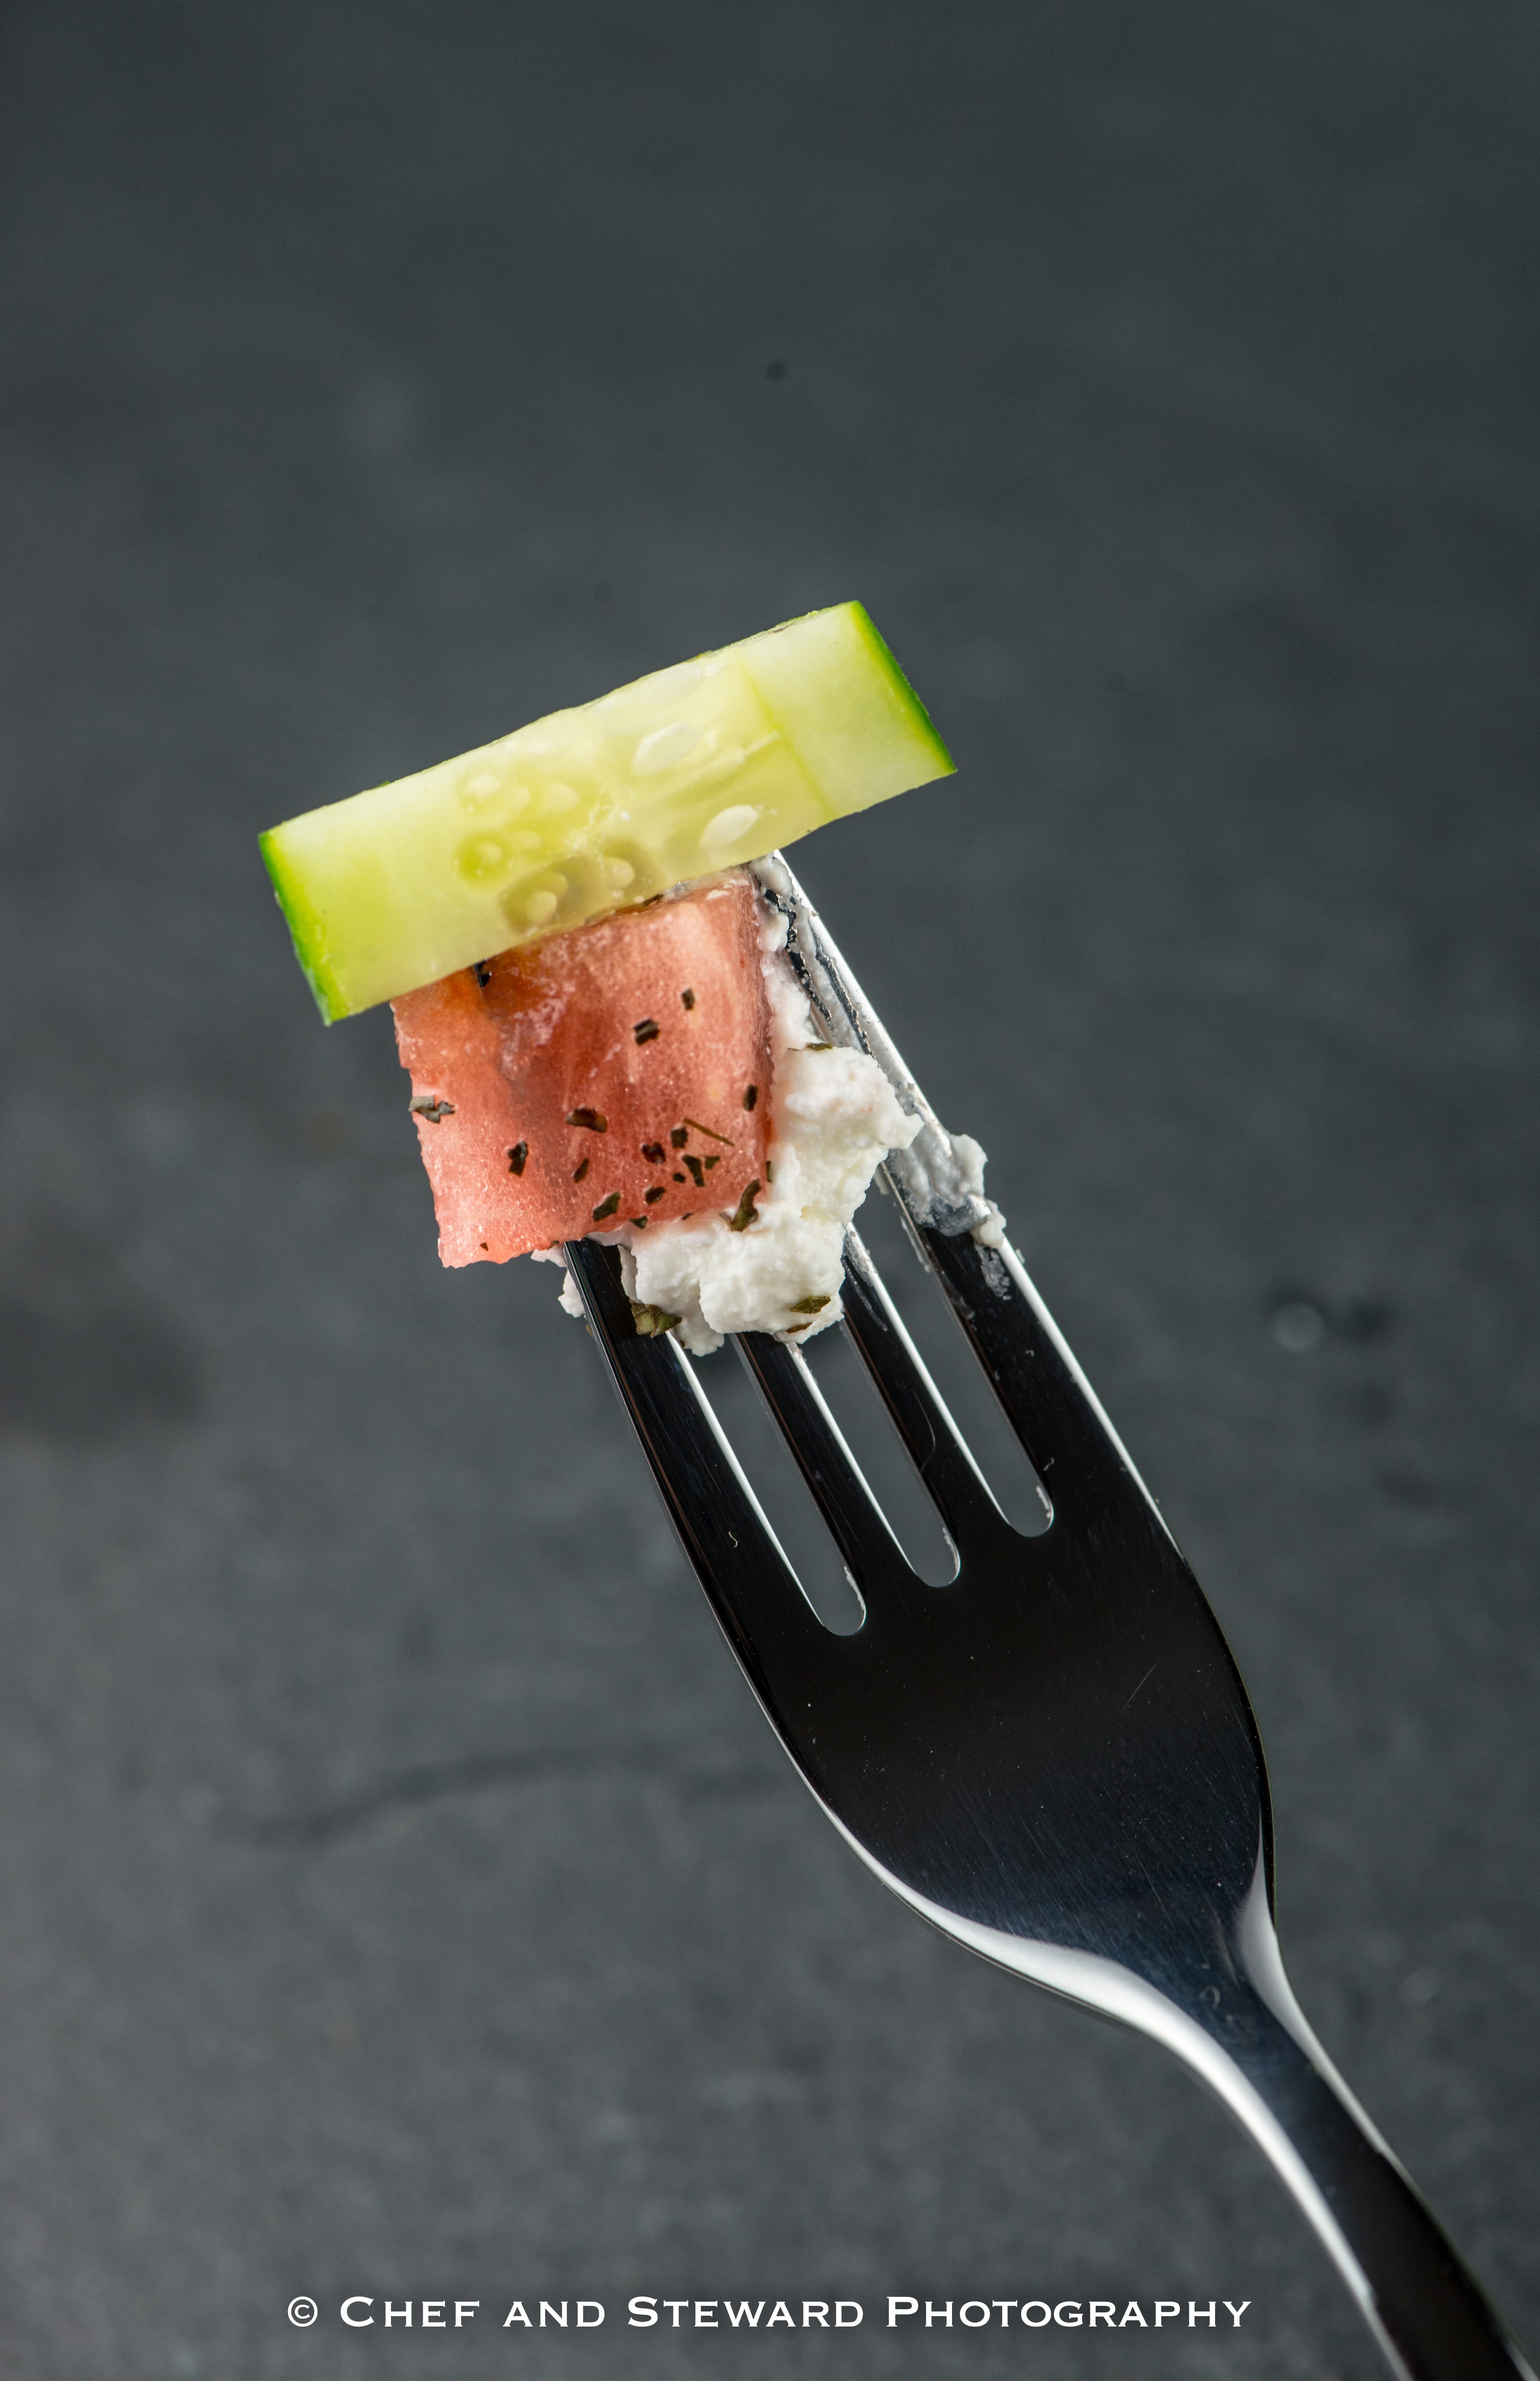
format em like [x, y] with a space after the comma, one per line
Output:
[601, 1038]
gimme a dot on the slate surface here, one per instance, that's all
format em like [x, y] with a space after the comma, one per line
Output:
[398, 1892]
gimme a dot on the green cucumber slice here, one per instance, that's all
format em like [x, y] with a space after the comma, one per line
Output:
[692, 769]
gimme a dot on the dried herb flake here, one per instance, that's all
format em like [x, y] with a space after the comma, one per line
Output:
[688, 996]
[659, 1190]
[653, 1152]
[697, 1174]
[647, 1030]
[747, 1210]
[579, 1170]
[518, 1156]
[432, 1111]
[606, 1207]
[591, 1121]
[751, 1097]
[651, 1322]
[809, 1305]
[679, 1136]
[726, 1137]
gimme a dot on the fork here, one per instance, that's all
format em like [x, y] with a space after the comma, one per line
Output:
[1053, 1760]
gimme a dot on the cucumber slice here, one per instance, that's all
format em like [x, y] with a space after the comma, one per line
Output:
[693, 769]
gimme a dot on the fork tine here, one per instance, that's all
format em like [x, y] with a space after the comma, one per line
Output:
[856, 1522]
[1078, 1456]
[756, 1594]
[1047, 1399]
[920, 1413]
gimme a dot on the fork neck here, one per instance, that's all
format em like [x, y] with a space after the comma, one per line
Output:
[1235, 2021]
[1255, 2046]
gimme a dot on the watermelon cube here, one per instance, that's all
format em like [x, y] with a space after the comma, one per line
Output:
[618, 1073]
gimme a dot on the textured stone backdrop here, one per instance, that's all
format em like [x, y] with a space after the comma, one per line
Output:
[398, 1890]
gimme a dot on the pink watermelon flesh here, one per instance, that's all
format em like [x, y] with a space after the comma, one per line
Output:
[615, 1074]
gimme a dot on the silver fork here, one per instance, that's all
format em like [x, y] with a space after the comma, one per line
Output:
[1053, 1760]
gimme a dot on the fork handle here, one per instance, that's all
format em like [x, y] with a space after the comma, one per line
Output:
[1429, 2315]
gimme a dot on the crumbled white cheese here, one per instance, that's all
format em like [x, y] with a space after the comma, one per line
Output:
[833, 1118]
[568, 1297]
[952, 1183]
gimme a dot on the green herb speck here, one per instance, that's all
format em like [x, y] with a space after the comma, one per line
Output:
[651, 1322]
[745, 1212]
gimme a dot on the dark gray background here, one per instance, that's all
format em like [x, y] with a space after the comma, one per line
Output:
[399, 1891]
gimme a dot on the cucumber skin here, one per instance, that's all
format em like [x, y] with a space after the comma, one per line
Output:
[848, 722]
[303, 930]
[898, 679]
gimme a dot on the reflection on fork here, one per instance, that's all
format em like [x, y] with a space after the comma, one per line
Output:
[1052, 1759]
